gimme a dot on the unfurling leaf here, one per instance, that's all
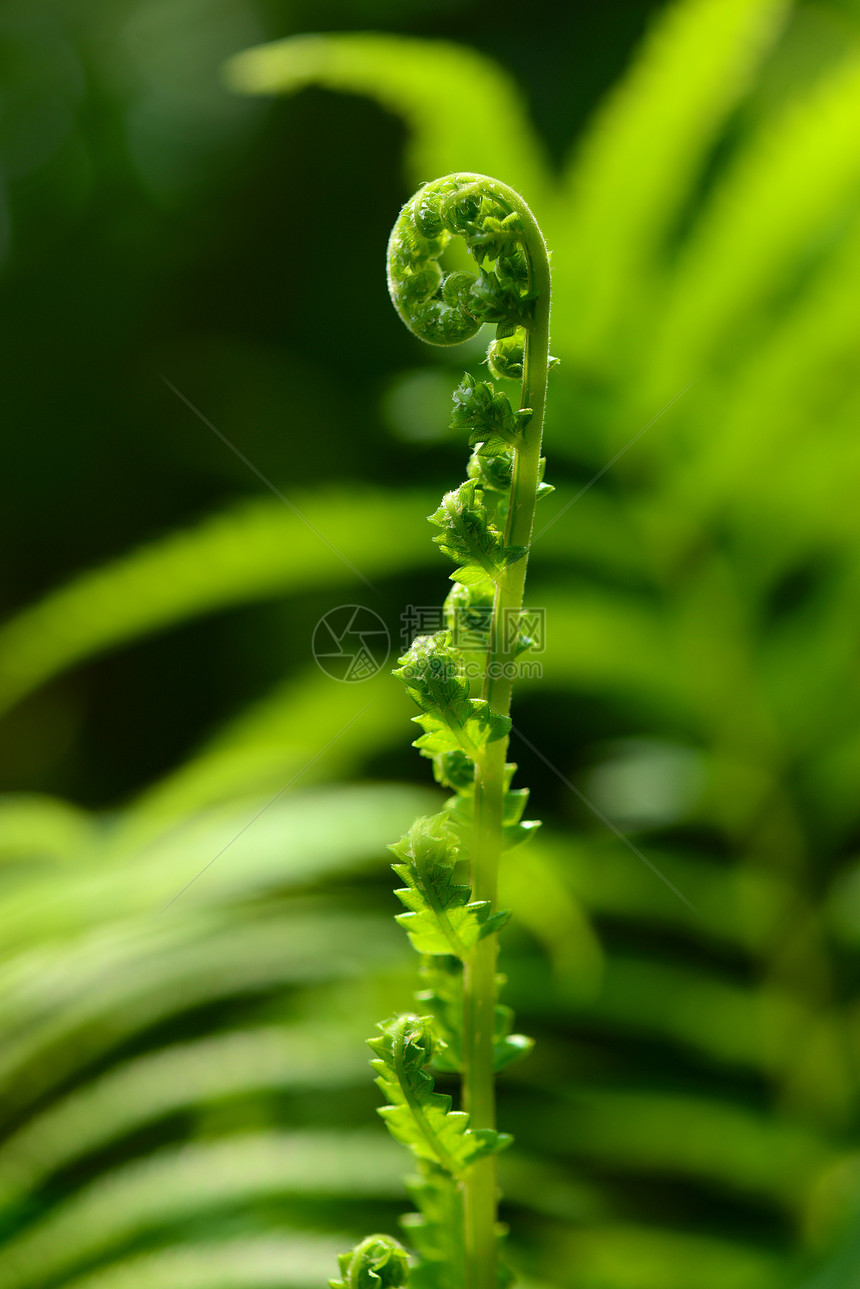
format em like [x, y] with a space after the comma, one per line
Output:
[417, 1115]
[441, 920]
[377, 1263]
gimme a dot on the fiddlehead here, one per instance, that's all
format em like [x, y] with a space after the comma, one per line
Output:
[377, 1263]
[461, 680]
[448, 309]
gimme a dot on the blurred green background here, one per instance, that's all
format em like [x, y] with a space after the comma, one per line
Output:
[217, 430]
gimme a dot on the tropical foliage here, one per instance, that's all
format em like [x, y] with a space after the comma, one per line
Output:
[188, 976]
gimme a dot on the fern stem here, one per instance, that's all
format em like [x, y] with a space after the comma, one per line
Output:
[461, 731]
[479, 1013]
[479, 982]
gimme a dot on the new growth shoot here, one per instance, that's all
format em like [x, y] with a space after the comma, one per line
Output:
[484, 526]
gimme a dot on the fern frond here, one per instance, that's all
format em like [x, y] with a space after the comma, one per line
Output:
[247, 553]
[440, 919]
[515, 829]
[451, 720]
[146, 1198]
[292, 1260]
[777, 208]
[640, 158]
[628, 1255]
[130, 873]
[462, 110]
[417, 1115]
[487, 415]
[141, 1093]
[436, 1230]
[803, 367]
[378, 1262]
[276, 741]
[469, 538]
[442, 994]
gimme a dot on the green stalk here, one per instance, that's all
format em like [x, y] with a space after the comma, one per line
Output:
[512, 291]
[479, 982]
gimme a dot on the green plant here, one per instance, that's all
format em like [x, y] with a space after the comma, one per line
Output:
[185, 1094]
[485, 527]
